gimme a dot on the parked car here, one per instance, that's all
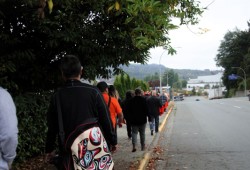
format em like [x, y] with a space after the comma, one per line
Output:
[178, 98]
[181, 97]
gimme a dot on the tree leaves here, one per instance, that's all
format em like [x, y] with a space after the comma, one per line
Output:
[234, 52]
[104, 34]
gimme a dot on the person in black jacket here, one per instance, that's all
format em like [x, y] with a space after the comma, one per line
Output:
[154, 104]
[81, 104]
[138, 112]
[124, 104]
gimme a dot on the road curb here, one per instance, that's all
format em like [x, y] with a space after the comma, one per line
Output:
[147, 155]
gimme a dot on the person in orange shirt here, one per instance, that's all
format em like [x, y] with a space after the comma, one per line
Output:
[113, 104]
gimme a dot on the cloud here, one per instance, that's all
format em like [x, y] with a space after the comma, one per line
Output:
[199, 50]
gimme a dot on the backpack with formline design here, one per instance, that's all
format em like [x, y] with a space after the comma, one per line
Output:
[87, 145]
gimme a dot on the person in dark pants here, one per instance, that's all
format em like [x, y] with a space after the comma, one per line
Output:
[124, 104]
[154, 104]
[138, 112]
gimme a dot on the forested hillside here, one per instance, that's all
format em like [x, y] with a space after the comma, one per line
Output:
[141, 71]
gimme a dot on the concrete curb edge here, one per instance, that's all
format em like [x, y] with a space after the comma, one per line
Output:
[147, 155]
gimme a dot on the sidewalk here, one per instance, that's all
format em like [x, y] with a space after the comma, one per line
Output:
[124, 158]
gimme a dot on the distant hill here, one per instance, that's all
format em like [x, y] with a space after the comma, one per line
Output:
[140, 71]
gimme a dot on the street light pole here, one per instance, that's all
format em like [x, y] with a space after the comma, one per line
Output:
[160, 70]
[245, 79]
[167, 79]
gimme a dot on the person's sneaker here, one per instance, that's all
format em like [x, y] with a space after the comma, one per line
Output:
[133, 150]
[134, 147]
[152, 132]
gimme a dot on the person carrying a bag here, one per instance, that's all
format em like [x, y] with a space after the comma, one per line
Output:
[79, 117]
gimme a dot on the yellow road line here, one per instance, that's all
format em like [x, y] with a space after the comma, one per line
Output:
[144, 161]
[146, 157]
[165, 120]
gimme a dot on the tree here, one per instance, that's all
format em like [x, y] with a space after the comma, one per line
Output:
[193, 91]
[183, 83]
[234, 51]
[170, 77]
[152, 77]
[123, 83]
[104, 34]
[153, 80]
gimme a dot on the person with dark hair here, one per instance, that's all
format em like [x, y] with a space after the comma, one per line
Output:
[114, 93]
[138, 112]
[112, 103]
[83, 111]
[8, 130]
[124, 104]
[154, 104]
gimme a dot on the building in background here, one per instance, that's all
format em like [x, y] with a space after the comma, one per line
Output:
[211, 84]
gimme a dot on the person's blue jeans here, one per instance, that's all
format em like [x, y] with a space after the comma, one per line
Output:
[154, 123]
[141, 129]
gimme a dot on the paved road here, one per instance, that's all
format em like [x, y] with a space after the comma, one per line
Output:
[207, 135]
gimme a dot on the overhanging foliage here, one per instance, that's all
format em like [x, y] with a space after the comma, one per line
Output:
[104, 34]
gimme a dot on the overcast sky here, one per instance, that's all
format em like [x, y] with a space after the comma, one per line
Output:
[197, 51]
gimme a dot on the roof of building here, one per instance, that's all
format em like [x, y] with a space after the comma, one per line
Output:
[207, 79]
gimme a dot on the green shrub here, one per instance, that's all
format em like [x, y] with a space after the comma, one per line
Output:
[231, 92]
[31, 114]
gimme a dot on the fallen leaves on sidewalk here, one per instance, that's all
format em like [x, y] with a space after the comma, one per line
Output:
[134, 165]
[155, 157]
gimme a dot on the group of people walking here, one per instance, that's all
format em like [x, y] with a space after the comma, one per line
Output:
[86, 119]
[139, 109]
[82, 121]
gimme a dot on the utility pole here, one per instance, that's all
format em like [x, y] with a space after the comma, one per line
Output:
[160, 71]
